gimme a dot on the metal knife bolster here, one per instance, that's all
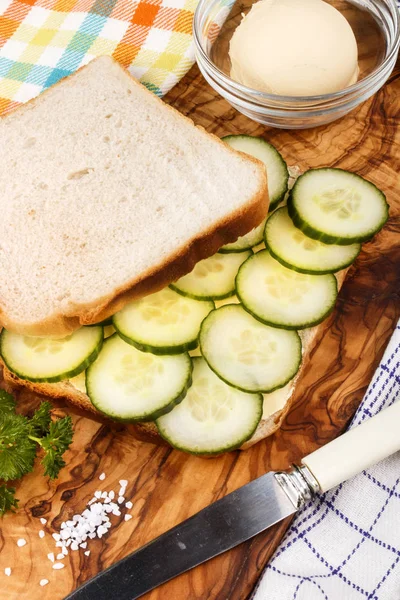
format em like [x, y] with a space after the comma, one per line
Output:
[299, 484]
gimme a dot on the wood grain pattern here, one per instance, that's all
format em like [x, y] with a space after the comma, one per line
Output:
[167, 486]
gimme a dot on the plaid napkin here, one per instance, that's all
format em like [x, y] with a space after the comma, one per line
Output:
[346, 544]
[42, 41]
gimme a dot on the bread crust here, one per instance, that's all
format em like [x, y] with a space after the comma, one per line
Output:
[180, 263]
[63, 390]
[266, 427]
[153, 280]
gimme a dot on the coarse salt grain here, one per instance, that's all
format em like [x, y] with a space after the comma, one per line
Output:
[43, 521]
[41, 533]
[58, 566]
[7, 571]
[21, 542]
[43, 582]
[50, 556]
[101, 530]
[60, 556]
[87, 553]
[102, 477]
[93, 522]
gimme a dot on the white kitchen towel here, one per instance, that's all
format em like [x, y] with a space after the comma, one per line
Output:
[345, 545]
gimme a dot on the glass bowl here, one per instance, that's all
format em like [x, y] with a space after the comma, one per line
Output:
[376, 25]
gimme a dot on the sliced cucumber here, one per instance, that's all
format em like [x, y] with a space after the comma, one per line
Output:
[282, 297]
[213, 418]
[293, 249]
[129, 385]
[50, 359]
[245, 242]
[247, 354]
[212, 278]
[277, 171]
[162, 323]
[337, 207]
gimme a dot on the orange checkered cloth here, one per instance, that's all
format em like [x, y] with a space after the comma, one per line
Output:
[42, 41]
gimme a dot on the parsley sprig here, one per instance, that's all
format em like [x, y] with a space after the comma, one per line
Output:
[20, 438]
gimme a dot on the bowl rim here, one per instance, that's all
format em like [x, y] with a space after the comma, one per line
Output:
[359, 86]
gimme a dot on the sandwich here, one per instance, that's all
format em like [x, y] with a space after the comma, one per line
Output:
[140, 276]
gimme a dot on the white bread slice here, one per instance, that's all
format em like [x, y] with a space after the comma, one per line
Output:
[108, 194]
[276, 405]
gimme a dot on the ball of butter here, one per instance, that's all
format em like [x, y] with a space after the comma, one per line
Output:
[294, 48]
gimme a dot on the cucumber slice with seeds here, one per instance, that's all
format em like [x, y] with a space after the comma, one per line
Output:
[212, 278]
[162, 323]
[337, 207]
[129, 385]
[50, 359]
[282, 297]
[213, 418]
[293, 249]
[277, 171]
[247, 354]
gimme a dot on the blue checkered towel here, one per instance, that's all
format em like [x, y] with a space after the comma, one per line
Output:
[346, 544]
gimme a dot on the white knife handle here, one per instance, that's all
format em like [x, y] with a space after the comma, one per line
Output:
[356, 449]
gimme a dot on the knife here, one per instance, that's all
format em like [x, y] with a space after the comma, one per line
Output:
[246, 512]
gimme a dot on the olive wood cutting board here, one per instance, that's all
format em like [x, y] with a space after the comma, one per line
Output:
[167, 486]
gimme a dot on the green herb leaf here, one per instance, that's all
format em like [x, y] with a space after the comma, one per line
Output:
[55, 444]
[8, 501]
[7, 403]
[40, 422]
[19, 440]
[17, 450]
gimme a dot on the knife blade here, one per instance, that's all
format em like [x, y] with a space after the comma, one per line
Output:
[219, 527]
[246, 512]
